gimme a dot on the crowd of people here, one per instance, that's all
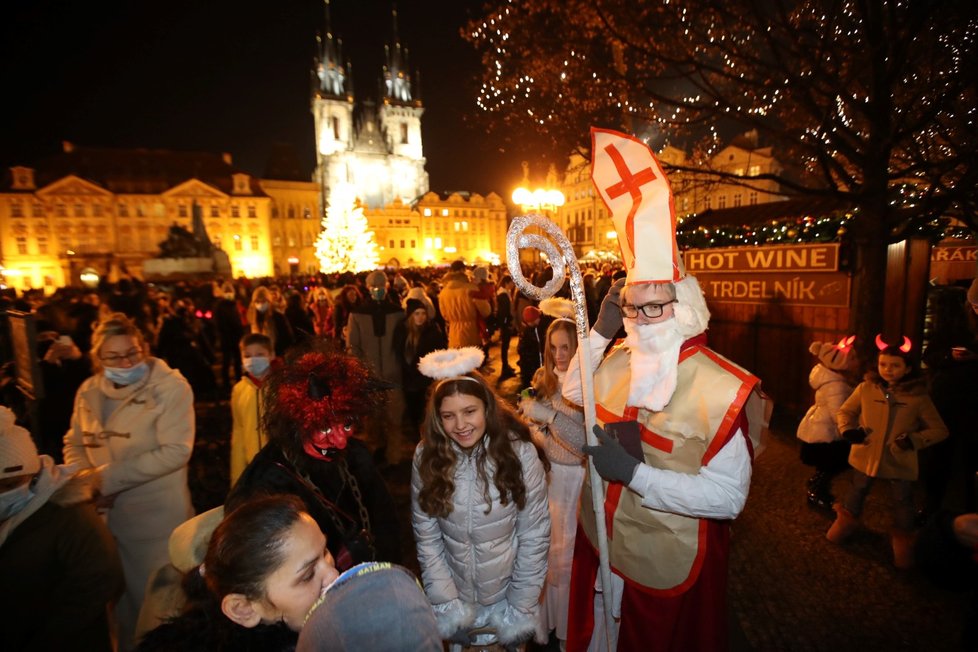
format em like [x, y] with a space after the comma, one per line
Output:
[329, 380]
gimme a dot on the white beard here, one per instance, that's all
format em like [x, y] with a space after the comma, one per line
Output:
[654, 363]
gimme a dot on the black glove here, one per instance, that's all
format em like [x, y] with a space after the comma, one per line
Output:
[855, 436]
[611, 460]
[609, 316]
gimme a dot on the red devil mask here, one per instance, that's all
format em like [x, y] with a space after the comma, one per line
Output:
[323, 395]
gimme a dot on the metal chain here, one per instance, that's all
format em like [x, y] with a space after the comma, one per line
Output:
[355, 490]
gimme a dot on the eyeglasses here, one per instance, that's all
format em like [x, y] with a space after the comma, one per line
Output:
[650, 310]
[132, 356]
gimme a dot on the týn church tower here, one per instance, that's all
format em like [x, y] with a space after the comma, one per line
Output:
[375, 146]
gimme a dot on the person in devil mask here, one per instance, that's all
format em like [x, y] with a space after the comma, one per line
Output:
[313, 407]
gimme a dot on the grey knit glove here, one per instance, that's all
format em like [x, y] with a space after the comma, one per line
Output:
[609, 316]
[611, 460]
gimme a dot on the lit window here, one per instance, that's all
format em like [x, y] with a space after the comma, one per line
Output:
[307, 213]
[427, 212]
[444, 212]
[754, 170]
[277, 241]
[437, 243]
[458, 227]
[238, 245]
[427, 243]
[465, 226]
[739, 172]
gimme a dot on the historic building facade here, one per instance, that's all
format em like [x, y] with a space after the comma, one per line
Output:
[586, 221]
[106, 210]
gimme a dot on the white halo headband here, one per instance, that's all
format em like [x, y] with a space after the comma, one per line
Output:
[452, 364]
[559, 308]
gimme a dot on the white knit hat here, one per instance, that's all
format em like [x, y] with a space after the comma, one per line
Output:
[630, 181]
[18, 454]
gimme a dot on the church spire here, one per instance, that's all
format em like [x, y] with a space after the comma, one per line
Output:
[329, 66]
[397, 79]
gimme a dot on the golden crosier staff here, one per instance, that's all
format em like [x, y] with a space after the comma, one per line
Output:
[560, 253]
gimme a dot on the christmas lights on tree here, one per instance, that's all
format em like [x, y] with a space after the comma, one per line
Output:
[345, 243]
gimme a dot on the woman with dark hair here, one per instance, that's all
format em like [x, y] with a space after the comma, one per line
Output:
[415, 337]
[266, 566]
[347, 300]
[479, 507]
[313, 406]
[297, 313]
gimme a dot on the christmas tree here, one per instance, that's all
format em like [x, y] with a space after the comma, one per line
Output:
[345, 244]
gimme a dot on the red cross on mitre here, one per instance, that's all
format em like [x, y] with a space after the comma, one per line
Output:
[636, 192]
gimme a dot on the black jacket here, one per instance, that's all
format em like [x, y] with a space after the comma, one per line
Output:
[330, 499]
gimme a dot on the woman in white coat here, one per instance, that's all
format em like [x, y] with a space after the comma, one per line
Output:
[133, 427]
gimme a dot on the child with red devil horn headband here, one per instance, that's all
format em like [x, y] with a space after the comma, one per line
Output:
[888, 418]
[313, 407]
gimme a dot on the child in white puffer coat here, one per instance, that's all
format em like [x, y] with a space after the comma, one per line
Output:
[822, 447]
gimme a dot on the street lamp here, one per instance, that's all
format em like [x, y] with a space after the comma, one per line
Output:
[542, 199]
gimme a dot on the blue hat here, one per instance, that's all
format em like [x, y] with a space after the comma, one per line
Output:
[374, 606]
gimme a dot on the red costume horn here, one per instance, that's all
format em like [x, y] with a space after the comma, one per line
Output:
[880, 344]
[905, 347]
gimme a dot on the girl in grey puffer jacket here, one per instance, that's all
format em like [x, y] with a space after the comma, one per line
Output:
[480, 517]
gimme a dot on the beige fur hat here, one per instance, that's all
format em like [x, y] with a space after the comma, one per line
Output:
[833, 356]
[18, 454]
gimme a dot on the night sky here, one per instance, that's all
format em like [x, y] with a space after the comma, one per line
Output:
[231, 76]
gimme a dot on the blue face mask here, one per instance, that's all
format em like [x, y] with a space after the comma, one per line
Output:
[126, 376]
[256, 365]
[11, 502]
[378, 294]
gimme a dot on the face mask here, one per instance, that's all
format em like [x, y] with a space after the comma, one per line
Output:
[261, 307]
[378, 294]
[126, 376]
[11, 502]
[256, 365]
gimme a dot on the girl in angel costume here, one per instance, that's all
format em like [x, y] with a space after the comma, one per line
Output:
[479, 508]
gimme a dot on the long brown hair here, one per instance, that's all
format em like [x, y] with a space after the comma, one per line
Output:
[545, 381]
[437, 464]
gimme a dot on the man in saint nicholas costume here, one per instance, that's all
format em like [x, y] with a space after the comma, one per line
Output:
[678, 425]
